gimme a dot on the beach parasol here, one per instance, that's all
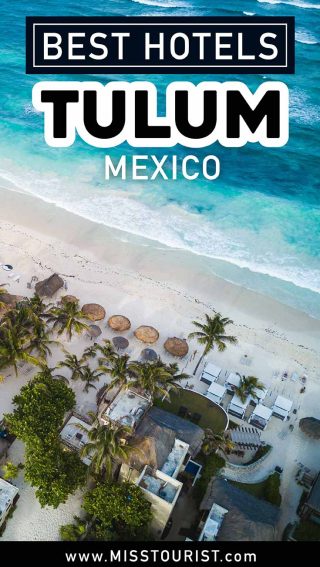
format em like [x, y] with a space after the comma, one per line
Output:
[94, 331]
[69, 299]
[146, 334]
[176, 347]
[119, 323]
[120, 342]
[93, 311]
[149, 355]
[310, 426]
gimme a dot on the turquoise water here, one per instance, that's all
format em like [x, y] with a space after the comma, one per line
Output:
[259, 223]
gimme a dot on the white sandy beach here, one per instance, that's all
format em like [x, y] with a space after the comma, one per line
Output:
[152, 285]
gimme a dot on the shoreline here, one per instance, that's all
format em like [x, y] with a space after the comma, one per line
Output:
[133, 263]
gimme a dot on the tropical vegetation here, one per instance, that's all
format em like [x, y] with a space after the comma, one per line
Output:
[212, 333]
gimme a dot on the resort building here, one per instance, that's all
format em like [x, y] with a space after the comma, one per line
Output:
[311, 507]
[167, 444]
[74, 434]
[210, 373]
[246, 519]
[8, 497]
[216, 392]
[236, 407]
[127, 408]
[260, 416]
[281, 407]
[213, 523]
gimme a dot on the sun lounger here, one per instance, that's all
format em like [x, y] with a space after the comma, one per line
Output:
[294, 376]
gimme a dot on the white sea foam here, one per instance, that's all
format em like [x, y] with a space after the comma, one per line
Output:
[296, 3]
[176, 227]
[164, 3]
[303, 36]
[249, 13]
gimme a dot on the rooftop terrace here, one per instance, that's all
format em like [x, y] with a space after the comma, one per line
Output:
[8, 492]
[127, 408]
[74, 434]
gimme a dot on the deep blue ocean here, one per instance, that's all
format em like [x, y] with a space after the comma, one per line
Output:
[259, 222]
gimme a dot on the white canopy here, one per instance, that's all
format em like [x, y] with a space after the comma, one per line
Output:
[261, 394]
[212, 369]
[216, 391]
[238, 403]
[262, 411]
[283, 403]
[233, 379]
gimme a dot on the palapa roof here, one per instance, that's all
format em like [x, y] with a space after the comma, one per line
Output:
[310, 426]
[93, 311]
[184, 430]
[146, 334]
[313, 500]
[11, 300]
[119, 323]
[69, 299]
[49, 286]
[177, 347]
[248, 518]
[154, 443]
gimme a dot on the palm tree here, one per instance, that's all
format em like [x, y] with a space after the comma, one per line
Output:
[67, 318]
[118, 371]
[40, 341]
[90, 351]
[3, 291]
[14, 347]
[215, 442]
[89, 376]
[212, 332]
[74, 364]
[106, 445]
[247, 387]
[108, 353]
[153, 379]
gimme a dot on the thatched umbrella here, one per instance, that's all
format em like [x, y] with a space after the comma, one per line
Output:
[93, 311]
[119, 323]
[120, 342]
[11, 300]
[310, 426]
[146, 334]
[177, 347]
[49, 286]
[149, 355]
[94, 331]
[69, 299]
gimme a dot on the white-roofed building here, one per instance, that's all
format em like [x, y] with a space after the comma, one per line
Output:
[260, 416]
[75, 435]
[216, 392]
[8, 496]
[237, 407]
[213, 523]
[281, 407]
[210, 373]
[233, 381]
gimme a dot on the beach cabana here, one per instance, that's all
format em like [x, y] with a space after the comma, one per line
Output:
[216, 392]
[49, 286]
[120, 343]
[260, 395]
[93, 311]
[149, 355]
[232, 382]
[237, 407]
[146, 334]
[282, 407]
[119, 323]
[260, 416]
[210, 373]
[176, 347]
